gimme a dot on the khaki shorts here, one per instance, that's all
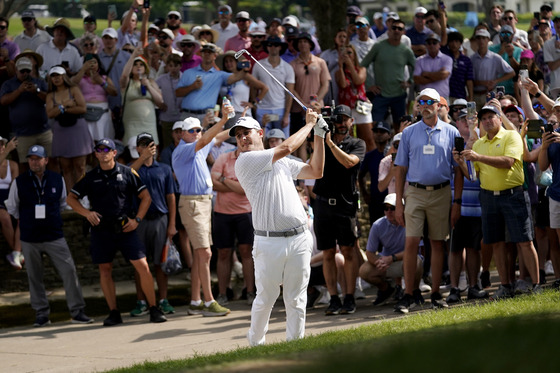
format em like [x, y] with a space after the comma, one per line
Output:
[196, 215]
[554, 211]
[25, 142]
[434, 205]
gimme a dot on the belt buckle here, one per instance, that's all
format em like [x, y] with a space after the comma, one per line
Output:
[332, 201]
[496, 192]
[430, 187]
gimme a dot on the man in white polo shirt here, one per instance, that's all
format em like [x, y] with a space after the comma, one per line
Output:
[283, 244]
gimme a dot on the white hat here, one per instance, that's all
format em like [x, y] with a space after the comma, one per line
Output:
[391, 199]
[397, 137]
[242, 15]
[174, 13]
[132, 148]
[393, 15]
[421, 10]
[190, 123]
[179, 124]
[429, 92]
[125, 14]
[556, 103]
[57, 70]
[459, 102]
[167, 32]
[290, 20]
[257, 31]
[187, 39]
[362, 20]
[246, 122]
[377, 15]
[482, 32]
[153, 26]
[110, 32]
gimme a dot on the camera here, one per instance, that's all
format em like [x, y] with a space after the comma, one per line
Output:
[327, 113]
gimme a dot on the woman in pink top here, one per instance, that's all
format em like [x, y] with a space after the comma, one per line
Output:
[96, 86]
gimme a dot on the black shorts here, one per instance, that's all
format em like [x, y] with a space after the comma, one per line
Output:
[467, 233]
[316, 277]
[542, 215]
[332, 228]
[227, 227]
[105, 244]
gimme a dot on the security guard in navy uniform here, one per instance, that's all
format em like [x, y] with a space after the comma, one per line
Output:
[110, 188]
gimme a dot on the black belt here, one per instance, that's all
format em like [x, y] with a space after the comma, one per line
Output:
[288, 233]
[330, 201]
[194, 111]
[430, 187]
[505, 192]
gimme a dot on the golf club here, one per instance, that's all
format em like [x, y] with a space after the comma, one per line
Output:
[242, 51]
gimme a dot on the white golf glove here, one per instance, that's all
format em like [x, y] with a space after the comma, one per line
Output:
[321, 127]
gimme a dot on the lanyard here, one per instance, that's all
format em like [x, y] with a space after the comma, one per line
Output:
[39, 186]
[430, 133]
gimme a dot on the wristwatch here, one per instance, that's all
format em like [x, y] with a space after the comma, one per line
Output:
[458, 201]
[394, 257]
[138, 219]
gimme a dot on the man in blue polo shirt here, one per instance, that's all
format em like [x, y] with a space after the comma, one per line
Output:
[159, 223]
[195, 206]
[200, 85]
[425, 160]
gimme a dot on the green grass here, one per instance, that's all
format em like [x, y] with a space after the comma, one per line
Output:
[517, 335]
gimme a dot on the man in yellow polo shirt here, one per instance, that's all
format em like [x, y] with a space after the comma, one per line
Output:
[498, 160]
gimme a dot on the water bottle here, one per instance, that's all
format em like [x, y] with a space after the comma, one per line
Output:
[228, 104]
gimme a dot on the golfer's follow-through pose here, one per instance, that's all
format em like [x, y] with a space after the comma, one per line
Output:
[283, 244]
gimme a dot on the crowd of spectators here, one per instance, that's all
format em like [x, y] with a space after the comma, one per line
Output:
[401, 97]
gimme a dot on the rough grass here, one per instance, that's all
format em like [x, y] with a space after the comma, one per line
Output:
[517, 335]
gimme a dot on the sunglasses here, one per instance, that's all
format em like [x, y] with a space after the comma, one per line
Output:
[505, 34]
[223, 12]
[397, 28]
[193, 130]
[538, 106]
[432, 42]
[102, 150]
[88, 45]
[241, 20]
[275, 45]
[89, 23]
[427, 102]
[163, 37]
[173, 17]
[388, 208]
[26, 19]
[129, 50]
[306, 69]
[188, 45]
[258, 36]
[507, 18]
[361, 25]
[54, 75]
[205, 33]
[3, 27]
[25, 71]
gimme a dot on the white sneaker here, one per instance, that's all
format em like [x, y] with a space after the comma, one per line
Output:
[463, 286]
[237, 270]
[325, 297]
[424, 288]
[16, 259]
[548, 268]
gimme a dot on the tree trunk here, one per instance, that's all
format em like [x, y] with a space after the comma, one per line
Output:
[329, 17]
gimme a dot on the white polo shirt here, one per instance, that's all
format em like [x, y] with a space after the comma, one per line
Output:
[53, 56]
[270, 189]
[26, 42]
[276, 96]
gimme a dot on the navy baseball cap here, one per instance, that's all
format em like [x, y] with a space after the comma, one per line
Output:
[107, 143]
[488, 108]
[37, 150]
[144, 138]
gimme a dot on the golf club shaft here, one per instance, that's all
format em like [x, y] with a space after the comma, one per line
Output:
[240, 53]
